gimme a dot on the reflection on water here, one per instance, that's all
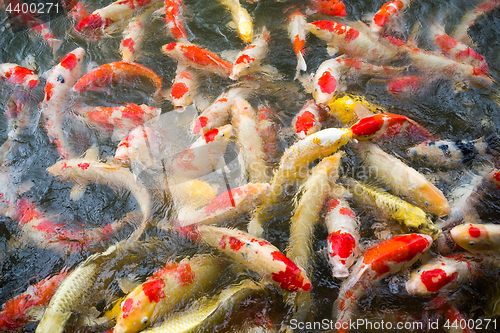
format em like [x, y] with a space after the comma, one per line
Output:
[447, 110]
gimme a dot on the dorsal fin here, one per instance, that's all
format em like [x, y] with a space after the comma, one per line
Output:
[92, 153]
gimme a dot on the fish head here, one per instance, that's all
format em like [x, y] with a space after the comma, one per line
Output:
[139, 306]
[245, 30]
[242, 66]
[92, 27]
[221, 134]
[424, 226]
[61, 169]
[378, 125]
[475, 238]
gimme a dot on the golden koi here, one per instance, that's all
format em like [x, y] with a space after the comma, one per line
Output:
[403, 180]
[301, 154]
[251, 145]
[349, 108]
[409, 217]
[243, 21]
[168, 286]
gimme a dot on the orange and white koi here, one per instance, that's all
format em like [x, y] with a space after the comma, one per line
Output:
[133, 36]
[184, 87]
[307, 120]
[219, 112]
[442, 274]
[251, 145]
[249, 59]
[174, 19]
[119, 120]
[409, 217]
[197, 57]
[329, 7]
[34, 24]
[116, 72]
[449, 154]
[477, 238]
[168, 286]
[241, 18]
[301, 154]
[225, 206]
[204, 156]
[61, 79]
[60, 236]
[306, 214]
[267, 129]
[135, 147]
[403, 180]
[456, 50]
[438, 66]
[387, 13]
[349, 108]
[101, 20]
[298, 31]
[406, 86]
[384, 259]
[343, 236]
[14, 312]
[86, 170]
[461, 30]
[18, 76]
[254, 253]
[352, 42]
[388, 125]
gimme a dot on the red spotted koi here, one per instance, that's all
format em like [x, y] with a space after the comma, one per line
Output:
[133, 36]
[249, 59]
[174, 19]
[477, 238]
[184, 87]
[329, 7]
[384, 259]
[18, 76]
[135, 146]
[198, 58]
[254, 253]
[387, 14]
[307, 120]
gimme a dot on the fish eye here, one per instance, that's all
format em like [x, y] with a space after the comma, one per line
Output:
[144, 320]
[427, 203]
[121, 305]
[221, 134]
[419, 271]
[472, 243]
[248, 66]
[411, 229]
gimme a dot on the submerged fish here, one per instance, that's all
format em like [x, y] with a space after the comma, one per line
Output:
[243, 21]
[18, 76]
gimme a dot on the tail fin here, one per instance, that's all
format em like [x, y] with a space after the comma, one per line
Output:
[301, 65]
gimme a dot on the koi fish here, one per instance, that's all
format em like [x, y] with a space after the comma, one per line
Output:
[477, 238]
[349, 108]
[227, 205]
[386, 258]
[208, 312]
[244, 121]
[307, 120]
[450, 154]
[494, 176]
[184, 87]
[198, 58]
[297, 31]
[174, 19]
[156, 297]
[249, 59]
[135, 147]
[406, 86]
[47, 233]
[204, 156]
[352, 42]
[403, 180]
[113, 73]
[18, 76]
[301, 154]
[456, 50]
[308, 208]
[409, 217]
[243, 21]
[254, 253]
[343, 236]
[119, 120]
[73, 289]
[461, 30]
[77, 10]
[442, 274]
[387, 13]
[192, 194]
[14, 313]
[329, 7]
[133, 36]
[268, 132]
[34, 24]
[86, 170]
[219, 112]
[61, 79]
[101, 20]
[388, 125]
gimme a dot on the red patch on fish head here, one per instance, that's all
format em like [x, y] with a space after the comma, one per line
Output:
[211, 135]
[83, 166]
[129, 44]
[201, 122]
[153, 289]
[291, 278]
[435, 279]
[474, 232]
[327, 83]
[330, 26]
[17, 75]
[170, 46]
[49, 90]
[330, 7]
[69, 61]
[127, 306]
[32, 84]
[179, 89]
[342, 244]
[305, 122]
[244, 59]
[93, 22]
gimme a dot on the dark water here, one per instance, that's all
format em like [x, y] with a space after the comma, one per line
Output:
[445, 110]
